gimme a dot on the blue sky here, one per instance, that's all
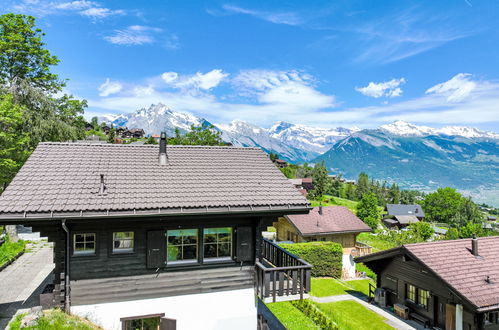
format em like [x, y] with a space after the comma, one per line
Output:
[323, 63]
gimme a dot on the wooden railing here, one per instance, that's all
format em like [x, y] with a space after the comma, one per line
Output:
[361, 249]
[280, 273]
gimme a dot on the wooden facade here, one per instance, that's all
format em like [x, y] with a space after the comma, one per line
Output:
[398, 275]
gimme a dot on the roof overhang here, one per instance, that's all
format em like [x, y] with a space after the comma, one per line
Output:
[337, 232]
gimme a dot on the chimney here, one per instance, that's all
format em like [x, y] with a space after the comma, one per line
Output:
[163, 159]
[474, 246]
[320, 209]
[102, 187]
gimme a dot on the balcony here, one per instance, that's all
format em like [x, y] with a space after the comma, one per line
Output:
[280, 275]
[361, 249]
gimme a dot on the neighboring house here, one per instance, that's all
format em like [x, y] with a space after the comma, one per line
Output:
[447, 284]
[106, 129]
[491, 218]
[156, 137]
[137, 133]
[120, 131]
[88, 127]
[307, 184]
[172, 238]
[328, 223]
[402, 215]
[298, 184]
[281, 163]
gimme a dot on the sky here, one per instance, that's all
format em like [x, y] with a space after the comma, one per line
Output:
[321, 63]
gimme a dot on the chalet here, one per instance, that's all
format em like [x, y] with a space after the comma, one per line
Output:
[307, 184]
[172, 238]
[137, 132]
[328, 223]
[402, 215]
[120, 131]
[88, 127]
[281, 163]
[491, 218]
[445, 284]
[105, 129]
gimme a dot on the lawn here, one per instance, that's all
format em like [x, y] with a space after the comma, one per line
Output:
[350, 314]
[330, 200]
[291, 317]
[323, 287]
[377, 243]
[9, 250]
[56, 319]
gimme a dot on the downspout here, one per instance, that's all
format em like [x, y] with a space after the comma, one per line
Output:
[66, 271]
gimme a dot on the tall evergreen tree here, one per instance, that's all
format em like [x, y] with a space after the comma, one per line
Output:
[362, 185]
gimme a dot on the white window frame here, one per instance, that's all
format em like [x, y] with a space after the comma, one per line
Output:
[84, 252]
[118, 250]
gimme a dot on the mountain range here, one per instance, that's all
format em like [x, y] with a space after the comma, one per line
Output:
[416, 157]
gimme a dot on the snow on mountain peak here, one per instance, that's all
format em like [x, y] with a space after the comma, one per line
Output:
[403, 128]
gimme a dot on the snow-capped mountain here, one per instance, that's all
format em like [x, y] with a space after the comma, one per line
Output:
[403, 128]
[315, 139]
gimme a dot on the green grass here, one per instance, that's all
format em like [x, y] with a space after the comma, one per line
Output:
[377, 243]
[291, 317]
[56, 319]
[9, 250]
[330, 200]
[324, 287]
[350, 315]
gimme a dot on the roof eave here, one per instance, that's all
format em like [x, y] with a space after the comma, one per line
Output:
[338, 232]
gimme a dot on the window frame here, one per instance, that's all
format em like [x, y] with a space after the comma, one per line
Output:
[123, 320]
[176, 263]
[425, 306]
[217, 259]
[84, 253]
[408, 291]
[122, 251]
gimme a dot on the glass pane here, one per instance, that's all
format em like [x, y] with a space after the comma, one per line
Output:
[151, 323]
[224, 250]
[79, 246]
[90, 246]
[174, 253]
[224, 237]
[133, 324]
[175, 240]
[218, 230]
[210, 238]
[190, 239]
[210, 251]
[90, 237]
[79, 238]
[190, 252]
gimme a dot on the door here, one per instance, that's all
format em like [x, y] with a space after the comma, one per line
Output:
[450, 317]
[156, 249]
[244, 244]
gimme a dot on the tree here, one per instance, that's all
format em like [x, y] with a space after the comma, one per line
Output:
[421, 230]
[95, 123]
[367, 210]
[394, 194]
[362, 185]
[320, 180]
[206, 135]
[23, 56]
[350, 192]
[442, 205]
[288, 172]
[468, 212]
[273, 157]
[112, 135]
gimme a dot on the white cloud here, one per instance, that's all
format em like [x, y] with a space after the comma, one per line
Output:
[110, 87]
[389, 88]
[76, 5]
[265, 79]
[134, 35]
[100, 12]
[143, 91]
[204, 81]
[287, 18]
[455, 89]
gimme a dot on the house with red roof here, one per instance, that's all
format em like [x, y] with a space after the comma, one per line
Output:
[445, 284]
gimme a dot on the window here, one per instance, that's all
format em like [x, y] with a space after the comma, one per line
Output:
[146, 322]
[182, 246]
[423, 297]
[411, 292]
[84, 243]
[217, 243]
[123, 242]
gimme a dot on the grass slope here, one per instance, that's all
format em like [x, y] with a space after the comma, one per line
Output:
[291, 317]
[56, 319]
[324, 287]
[350, 315]
[377, 243]
[9, 250]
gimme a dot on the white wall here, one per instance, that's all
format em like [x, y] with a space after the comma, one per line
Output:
[234, 309]
[349, 265]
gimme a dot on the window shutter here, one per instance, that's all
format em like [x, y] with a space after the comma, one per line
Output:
[244, 243]
[156, 249]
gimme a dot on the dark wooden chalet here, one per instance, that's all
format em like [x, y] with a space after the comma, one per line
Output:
[445, 284]
[176, 220]
[402, 215]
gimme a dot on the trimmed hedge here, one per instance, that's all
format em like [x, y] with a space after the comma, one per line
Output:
[325, 257]
[316, 315]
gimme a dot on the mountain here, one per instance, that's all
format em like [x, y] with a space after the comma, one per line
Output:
[420, 157]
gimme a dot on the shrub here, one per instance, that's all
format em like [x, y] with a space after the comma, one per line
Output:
[326, 257]
[360, 267]
[316, 315]
[9, 250]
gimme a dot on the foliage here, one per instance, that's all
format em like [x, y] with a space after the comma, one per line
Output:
[422, 230]
[288, 172]
[199, 135]
[326, 257]
[319, 318]
[9, 250]
[23, 55]
[376, 241]
[350, 315]
[452, 233]
[362, 185]
[55, 319]
[360, 267]
[367, 210]
[329, 200]
[13, 141]
[151, 140]
[291, 317]
[320, 179]
[112, 135]
[324, 287]
[273, 157]
[442, 205]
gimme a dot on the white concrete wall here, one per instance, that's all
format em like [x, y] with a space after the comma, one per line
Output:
[234, 309]
[349, 265]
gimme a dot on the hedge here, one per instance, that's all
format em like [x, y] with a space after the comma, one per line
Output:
[325, 257]
[316, 315]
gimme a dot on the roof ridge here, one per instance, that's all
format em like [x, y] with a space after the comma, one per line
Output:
[453, 241]
[144, 145]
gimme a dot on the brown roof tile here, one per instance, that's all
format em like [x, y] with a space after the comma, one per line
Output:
[334, 219]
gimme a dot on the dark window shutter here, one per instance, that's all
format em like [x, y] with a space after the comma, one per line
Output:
[156, 249]
[244, 243]
[167, 324]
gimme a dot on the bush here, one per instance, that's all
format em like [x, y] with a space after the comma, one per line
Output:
[360, 267]
[316, 315]
[9, 250]
[326, 257]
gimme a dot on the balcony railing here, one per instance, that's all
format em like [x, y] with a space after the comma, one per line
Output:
[280, 274]
[361, 249]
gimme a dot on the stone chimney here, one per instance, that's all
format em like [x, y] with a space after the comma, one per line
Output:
[163, 158]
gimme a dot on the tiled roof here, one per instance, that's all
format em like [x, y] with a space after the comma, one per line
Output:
[454, 263]
[61, 178]
[334, 219]
[403, 209]
[406, 219]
